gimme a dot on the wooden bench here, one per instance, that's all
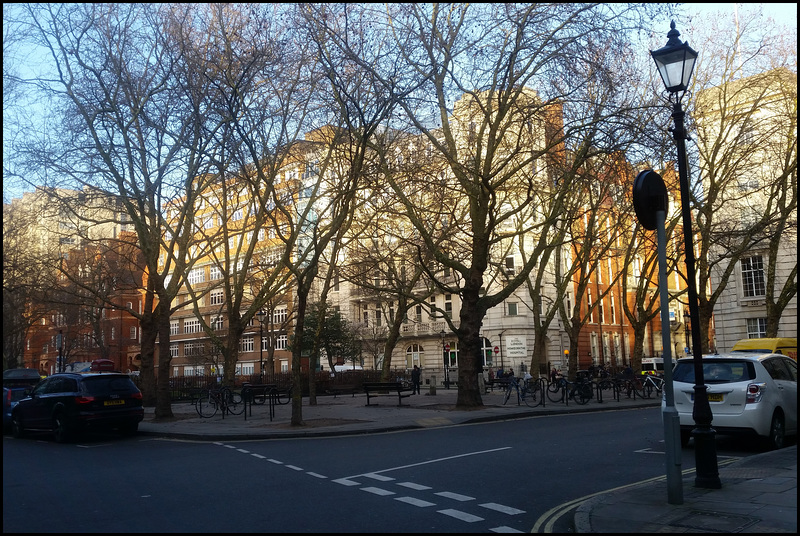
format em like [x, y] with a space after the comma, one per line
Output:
[371, 388]
[343, 389]
[501, 383]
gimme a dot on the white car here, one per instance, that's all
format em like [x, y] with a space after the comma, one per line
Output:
[748, 393]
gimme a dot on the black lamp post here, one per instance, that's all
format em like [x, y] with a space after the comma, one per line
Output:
[445, 362]
[687, 330]
[261, 317]
[675, 63]
[60, 344]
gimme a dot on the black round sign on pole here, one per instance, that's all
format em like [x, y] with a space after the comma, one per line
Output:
[649, 197]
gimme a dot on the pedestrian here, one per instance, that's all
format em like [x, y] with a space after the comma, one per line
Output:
[491, 374]
[415, 374]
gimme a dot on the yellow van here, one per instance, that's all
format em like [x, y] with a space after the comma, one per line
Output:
[780, 345]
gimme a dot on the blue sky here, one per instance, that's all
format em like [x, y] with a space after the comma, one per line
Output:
[785, 12]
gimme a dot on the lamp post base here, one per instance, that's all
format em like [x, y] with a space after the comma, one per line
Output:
[705, 456]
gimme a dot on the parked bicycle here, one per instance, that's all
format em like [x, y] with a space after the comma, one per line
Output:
[581, 390]
[213, 400]
[528, 391]
[651, 384]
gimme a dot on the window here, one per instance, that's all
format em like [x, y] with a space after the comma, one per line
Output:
[589, 305]
[753, 284]
[512, 308]
[280, 315]
[133, 332]
[214, 273]
[756, 328]
[192, 348]
[448, 305]
[191, 326]
[613, 312]
[197, 275]
[281, 342]
[217, 297]
[218, 323]
[510, 265]
[412, 355]
[174, 327]
[173, 350]
[246, 344]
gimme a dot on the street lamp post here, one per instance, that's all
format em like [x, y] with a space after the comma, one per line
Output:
[445, 362]
[261, 317]
[687, 330]
[60, 359]
[675, 62]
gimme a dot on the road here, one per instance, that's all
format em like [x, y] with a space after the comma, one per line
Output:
[512, 476]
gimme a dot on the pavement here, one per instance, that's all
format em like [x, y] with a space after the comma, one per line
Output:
[758, 494]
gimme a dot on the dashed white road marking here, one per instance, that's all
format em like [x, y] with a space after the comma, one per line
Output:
[346, 482]
[413, 501]
[376, 476]
[412, 485]
[455, 496]
[502, 508]
[504, 529]
[458, 514]
[378, 491]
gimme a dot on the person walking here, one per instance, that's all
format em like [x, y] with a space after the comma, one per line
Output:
[415, 375]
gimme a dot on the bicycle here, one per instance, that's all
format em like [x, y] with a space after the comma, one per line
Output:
[580, 391]
[224, 398]
[525, 393]
[650, 385]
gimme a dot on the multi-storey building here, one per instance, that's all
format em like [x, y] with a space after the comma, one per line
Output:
[372, 271]
[88, 280]
[748, 138]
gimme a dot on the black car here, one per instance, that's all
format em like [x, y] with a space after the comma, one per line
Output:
[69, 403]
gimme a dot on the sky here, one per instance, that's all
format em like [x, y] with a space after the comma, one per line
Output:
[784, 13]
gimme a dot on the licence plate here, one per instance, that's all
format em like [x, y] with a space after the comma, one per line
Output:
[114, 403]
[712, 397]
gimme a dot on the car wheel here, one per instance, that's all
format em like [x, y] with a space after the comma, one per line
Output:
[61, 429]
[777, 433]
[685, 436]
[17, 430]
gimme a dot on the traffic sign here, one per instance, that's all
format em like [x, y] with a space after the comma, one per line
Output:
[447, 347]
[497, 349]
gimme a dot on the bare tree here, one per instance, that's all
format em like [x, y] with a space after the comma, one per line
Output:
[135, 124]
[465, 86]
[745, 175]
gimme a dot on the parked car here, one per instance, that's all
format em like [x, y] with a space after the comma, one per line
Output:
[15, 384]
[778, 345]
[748, 393]
[69, 403]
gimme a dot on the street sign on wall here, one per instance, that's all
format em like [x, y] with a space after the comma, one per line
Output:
[516, 347]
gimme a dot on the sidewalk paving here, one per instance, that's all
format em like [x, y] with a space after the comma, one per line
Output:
[759, 493]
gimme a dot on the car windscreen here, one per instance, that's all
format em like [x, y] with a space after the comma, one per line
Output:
[716, 371]
[108, 385]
